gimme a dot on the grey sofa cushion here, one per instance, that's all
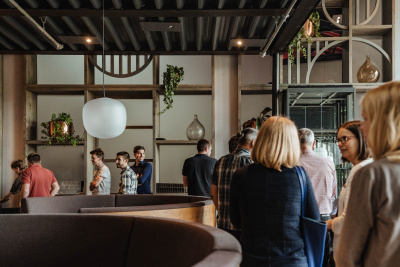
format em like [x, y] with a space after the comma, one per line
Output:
[141, 208]
[65, 204]
[64, 240]
[183, 244]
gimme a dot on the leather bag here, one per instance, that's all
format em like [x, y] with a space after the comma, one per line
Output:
[314, 232]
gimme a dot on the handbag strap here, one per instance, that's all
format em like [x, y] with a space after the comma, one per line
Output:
[303, 187]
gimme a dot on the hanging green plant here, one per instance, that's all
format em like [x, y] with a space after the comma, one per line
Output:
[296, 42]
[171, 79]
[257, 122]
[60, 130]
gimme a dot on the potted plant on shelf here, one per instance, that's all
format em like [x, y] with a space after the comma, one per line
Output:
[257, 122]
[60, 130]
[171, 79]
[309, 29]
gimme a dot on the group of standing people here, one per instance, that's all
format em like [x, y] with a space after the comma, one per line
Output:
[36, 181]
[257, 192]
[135, 179]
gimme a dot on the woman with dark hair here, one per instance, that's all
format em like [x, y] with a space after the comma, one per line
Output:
[353, 146]
[18, 167]
[371, 231]
[265, 199]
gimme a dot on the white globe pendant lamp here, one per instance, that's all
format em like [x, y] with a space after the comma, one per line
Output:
[104, 117]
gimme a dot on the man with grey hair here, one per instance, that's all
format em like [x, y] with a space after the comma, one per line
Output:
[321, 171]
[222, 176]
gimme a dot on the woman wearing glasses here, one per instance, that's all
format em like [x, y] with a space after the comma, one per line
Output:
[354, 149]
[371, 231]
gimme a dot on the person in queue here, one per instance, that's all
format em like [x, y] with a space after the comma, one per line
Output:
[128, 182]
[266, 199]
[143, 170]
[321, 171]
[354, 149]
[36, 180]
[101, 183]
[18, 166]
[197, 170]
[370, 234]
[222, 176]
[233, 144]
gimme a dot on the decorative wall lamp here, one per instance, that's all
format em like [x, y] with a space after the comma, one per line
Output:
[104, 117]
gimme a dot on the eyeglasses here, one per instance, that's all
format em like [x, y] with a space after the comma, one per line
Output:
[343, 139]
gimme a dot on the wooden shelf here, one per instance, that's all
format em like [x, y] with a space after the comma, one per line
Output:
[139, 127]
[371, 30]
[176, 142]
[42, 143]
[117, 91]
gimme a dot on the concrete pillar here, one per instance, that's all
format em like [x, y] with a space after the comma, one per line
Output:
[225, 102]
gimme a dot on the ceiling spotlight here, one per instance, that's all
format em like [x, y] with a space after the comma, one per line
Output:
[88, 40]
[170, 27]
[239, 42]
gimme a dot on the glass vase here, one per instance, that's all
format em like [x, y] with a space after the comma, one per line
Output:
[368, 72]
[195, 131]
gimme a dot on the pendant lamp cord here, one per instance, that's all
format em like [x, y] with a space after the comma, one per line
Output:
[104, 90]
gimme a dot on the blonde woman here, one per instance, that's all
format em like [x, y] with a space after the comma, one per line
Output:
[265, 199]
[371, 231]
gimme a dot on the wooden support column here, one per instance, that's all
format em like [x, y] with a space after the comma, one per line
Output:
[156, 149]
[275, 84]
[90, 142]
[225, 104]
[1, 125]
[30, 103]
[13, 120]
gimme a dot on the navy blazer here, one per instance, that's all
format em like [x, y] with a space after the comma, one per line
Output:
[266, 205]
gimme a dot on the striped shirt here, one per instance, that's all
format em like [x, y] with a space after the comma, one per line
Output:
[222, 176]
[129, 182]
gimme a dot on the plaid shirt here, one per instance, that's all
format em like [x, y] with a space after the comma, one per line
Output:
[128, 184]
[222, 176]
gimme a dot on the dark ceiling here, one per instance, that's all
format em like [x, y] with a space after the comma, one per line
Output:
[174, 27]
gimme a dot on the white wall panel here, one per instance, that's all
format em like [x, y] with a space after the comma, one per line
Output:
[65, 69]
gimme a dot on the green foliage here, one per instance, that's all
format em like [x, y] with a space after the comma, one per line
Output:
[58, 136]
[296, 42]
[257, 122]
[171, 79]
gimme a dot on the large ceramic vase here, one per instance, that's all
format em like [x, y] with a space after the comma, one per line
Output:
[368, 72]
[195, 131]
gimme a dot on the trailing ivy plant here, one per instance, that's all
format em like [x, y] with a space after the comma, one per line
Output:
[296, 42]
[58, 136]
[171, 79]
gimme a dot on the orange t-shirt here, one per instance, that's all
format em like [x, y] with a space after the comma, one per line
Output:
[40, 180]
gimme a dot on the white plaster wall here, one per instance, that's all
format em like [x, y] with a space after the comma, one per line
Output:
[256, 70]
[65, 69]
[197, 68]
[252, 105]
[174, 122]
[65, 161]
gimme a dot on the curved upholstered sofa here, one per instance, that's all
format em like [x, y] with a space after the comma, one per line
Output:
[112, 240]
[188, 208]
